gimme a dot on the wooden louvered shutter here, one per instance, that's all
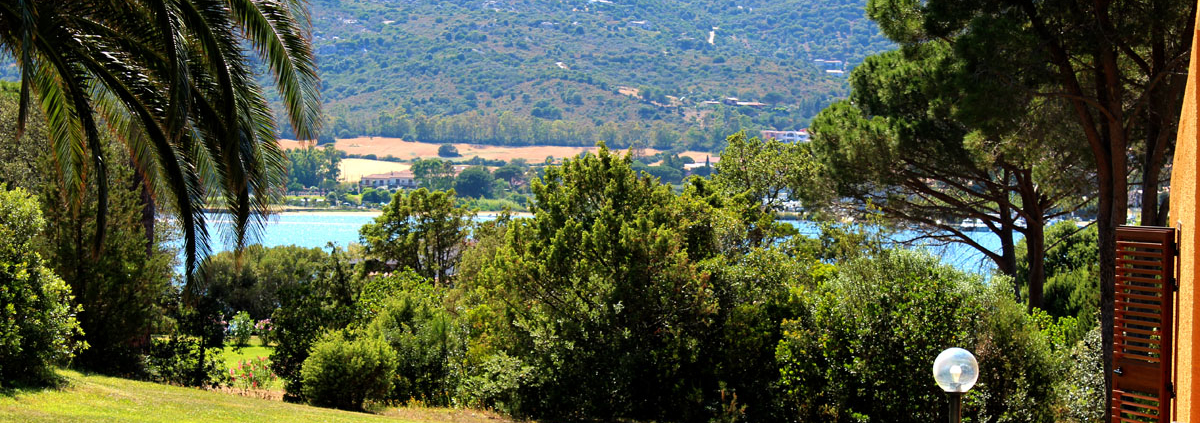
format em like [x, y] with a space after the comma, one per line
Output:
[1143, 323]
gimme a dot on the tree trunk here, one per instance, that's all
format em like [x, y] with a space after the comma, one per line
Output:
[1107, 228]
[1008, 251]
[1035, 236]
[1035, 242]
[148, 209]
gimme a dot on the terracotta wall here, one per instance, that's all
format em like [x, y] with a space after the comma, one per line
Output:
[1183, 215]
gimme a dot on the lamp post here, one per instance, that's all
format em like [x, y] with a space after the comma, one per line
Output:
[956, 371]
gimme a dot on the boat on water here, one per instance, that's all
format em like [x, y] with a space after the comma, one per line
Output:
[974, 224]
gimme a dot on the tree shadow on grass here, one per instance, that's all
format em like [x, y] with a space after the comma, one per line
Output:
[51, 381]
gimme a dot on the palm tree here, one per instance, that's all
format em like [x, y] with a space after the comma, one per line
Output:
[174, 81]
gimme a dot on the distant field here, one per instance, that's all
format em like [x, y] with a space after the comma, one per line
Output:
[382, 146]
[354, 169]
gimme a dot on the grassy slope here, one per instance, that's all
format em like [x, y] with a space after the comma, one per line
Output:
[97, 398]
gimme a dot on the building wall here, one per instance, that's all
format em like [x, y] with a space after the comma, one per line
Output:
[1183, 215]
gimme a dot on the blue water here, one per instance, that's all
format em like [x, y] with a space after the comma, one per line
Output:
[307, 230]
[319, 229]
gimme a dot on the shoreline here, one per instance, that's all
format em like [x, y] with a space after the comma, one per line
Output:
[319, 212]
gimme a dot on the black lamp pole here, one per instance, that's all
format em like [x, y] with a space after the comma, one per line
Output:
[955, 406]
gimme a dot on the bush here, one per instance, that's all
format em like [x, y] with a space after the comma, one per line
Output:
[241, 329]
[182, 360]
[341, 372]
[40, 327]
[496, 383]
[307, 309]
[252, 374]
[265, 331]
[863, 348]
[1084, 384]
[447, 150]
[427, 339]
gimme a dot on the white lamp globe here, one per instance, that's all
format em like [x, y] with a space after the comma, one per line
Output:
[956, 370]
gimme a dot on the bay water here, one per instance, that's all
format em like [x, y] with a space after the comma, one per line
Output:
[319, 229]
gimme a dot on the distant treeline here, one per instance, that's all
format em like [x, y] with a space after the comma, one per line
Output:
[512, 129]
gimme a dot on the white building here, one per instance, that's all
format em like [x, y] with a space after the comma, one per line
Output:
[786, 136]
[393, 179]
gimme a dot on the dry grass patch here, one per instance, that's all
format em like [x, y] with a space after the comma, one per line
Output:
[354, 169]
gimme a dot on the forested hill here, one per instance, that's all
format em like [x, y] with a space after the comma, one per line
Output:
[620, 70]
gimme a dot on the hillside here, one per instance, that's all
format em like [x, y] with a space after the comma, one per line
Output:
[89, 398]
[570, 72]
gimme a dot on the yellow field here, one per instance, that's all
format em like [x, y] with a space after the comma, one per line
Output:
[382, 146]
[354, 169]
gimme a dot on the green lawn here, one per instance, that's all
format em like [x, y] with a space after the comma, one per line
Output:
[89, 398]
[255, 350]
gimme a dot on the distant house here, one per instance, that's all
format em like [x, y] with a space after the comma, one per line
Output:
[831, 66]
[787, 136]
[393, 179]
[750, 104]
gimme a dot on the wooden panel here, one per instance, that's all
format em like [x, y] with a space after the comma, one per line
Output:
[1143, 320]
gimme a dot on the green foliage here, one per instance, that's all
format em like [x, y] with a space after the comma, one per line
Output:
[474, 182]
[241, 328]
[480, 76]
[496, 383]
[419, 230]
[1084, 382]
[1072, 270]
[19, 157]
[376, 196]
[40, 329]
[605, 295]
[253, 281]
[861, 349]
[308, 309]
[194, 121]
[309, 166]
[447, 150]
[120, 287]
[343, 372]
[184, 360]
[252, 374]
[767, 171]
[433, 174]
[429, 342]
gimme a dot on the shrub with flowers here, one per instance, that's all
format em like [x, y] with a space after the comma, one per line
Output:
[265, 331]
[252, 374]
[241, 328]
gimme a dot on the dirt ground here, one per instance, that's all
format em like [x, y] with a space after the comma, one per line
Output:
[355, 169]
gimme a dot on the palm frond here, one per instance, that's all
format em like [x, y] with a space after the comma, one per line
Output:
[281, 43]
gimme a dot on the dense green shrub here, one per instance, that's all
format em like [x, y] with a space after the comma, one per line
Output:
[307, 309]
[863, 348]
[120, 289]
[1084, 382]
[343, 371]
[241, 328]
[1072, 270]
[428, 341]
[447, 150]
[496, 383]
[251, 282]
[183, 360]
[39, 327]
